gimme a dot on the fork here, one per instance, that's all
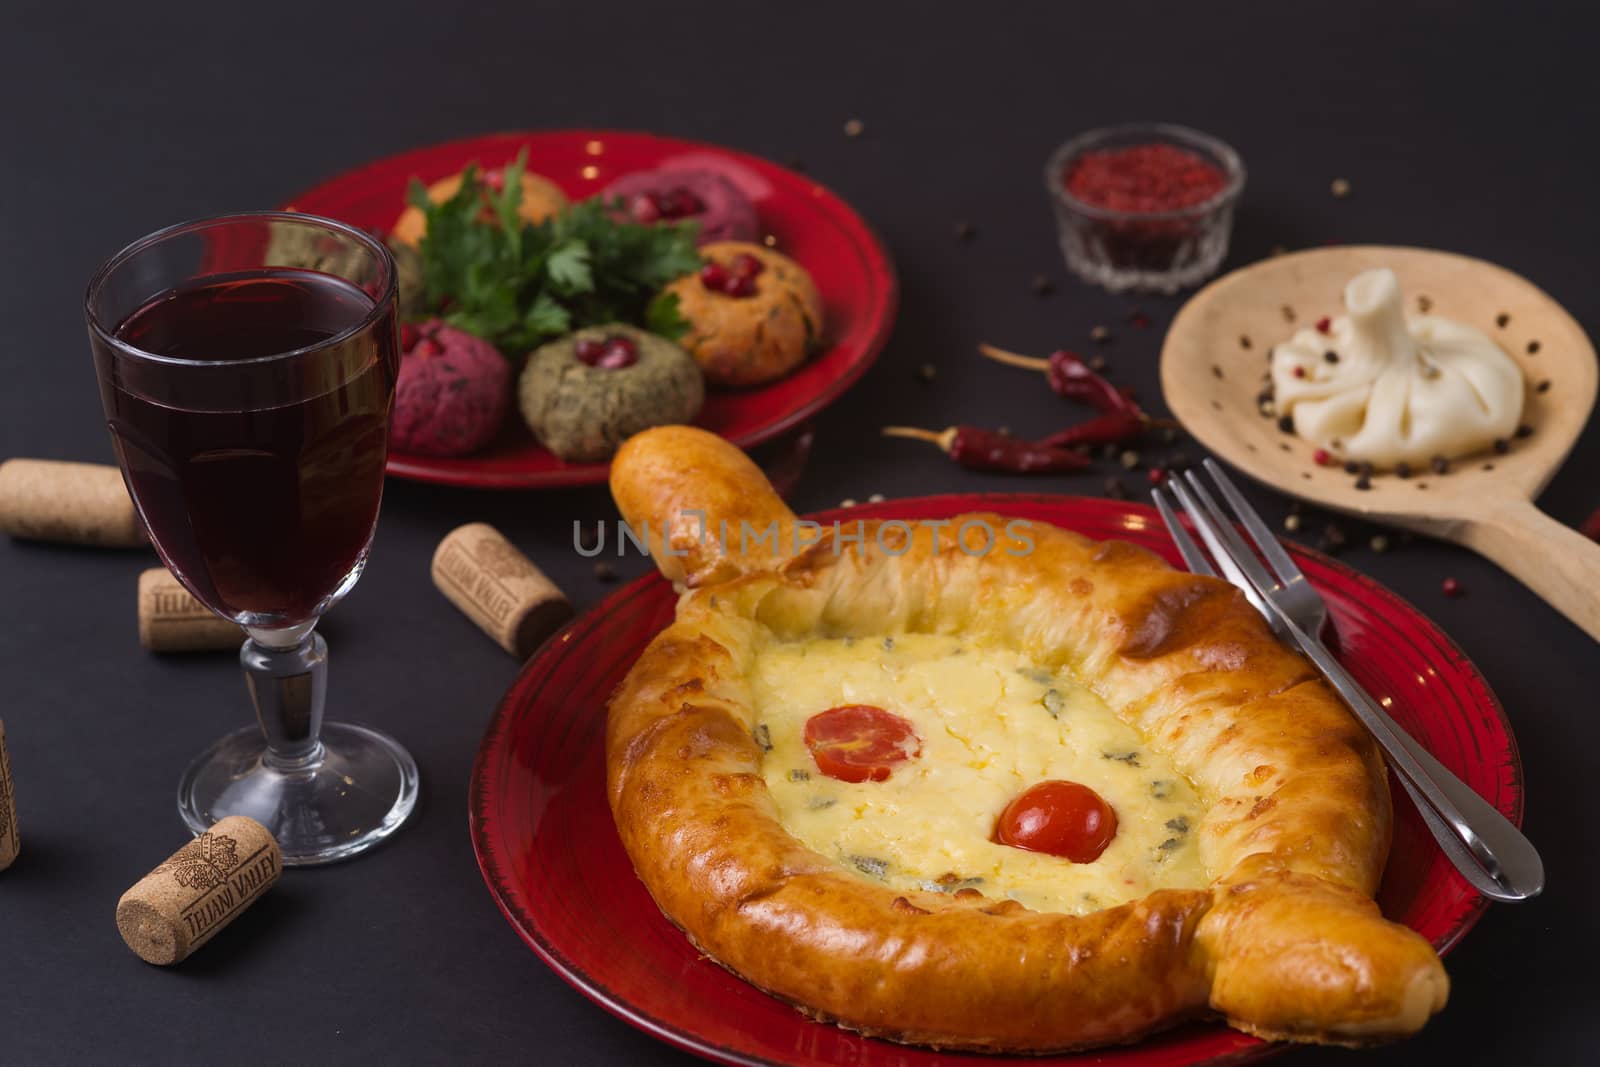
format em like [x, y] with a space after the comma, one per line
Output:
[1491, 853]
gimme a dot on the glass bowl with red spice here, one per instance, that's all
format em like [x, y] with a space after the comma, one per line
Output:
[1144, 205]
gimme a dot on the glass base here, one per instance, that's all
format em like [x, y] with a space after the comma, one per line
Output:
[355, 789]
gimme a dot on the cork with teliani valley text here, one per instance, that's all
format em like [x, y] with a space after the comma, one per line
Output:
[200, 889]
[498, 588]
[172, 620]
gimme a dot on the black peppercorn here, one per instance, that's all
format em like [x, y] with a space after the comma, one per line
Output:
[1286, 423]
[1364, 482]
[1440, 465]
[1524, 430]
[1533, 348]
[1351, 466]
[1501, 445]
[1330, 356]
[1502, 320]
[1402, 470]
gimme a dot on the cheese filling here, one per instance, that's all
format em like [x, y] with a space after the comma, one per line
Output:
[991, 724]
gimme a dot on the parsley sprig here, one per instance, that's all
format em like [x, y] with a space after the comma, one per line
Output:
[518, 284]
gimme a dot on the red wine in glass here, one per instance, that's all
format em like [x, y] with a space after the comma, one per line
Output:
[263, 512]
[247, 367]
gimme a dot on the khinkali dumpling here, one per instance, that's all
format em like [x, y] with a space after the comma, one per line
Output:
[1387, 388]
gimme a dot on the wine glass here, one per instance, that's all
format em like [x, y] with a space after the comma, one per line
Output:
[247, 365]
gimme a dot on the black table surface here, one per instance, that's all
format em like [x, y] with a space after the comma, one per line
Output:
[1464, 128]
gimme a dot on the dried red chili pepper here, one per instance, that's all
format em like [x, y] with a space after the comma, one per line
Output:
[1112, 428]
[978, 449]
[1071, 377]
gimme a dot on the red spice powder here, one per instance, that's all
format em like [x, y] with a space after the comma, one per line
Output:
[1143, 178]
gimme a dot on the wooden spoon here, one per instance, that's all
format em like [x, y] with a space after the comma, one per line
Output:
[1216, 354]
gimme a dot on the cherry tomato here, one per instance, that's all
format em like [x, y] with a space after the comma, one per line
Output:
[1061, 818]
[860, 742]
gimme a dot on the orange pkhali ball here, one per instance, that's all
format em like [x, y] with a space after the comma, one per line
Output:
[541, 198]
[754, 314]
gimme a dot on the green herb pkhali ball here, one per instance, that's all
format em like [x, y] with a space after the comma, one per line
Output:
[586, 393]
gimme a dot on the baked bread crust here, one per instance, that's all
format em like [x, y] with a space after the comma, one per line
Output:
[1285, 943]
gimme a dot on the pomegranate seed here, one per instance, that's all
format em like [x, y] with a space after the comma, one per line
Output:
[645, 207]
[1324, 325]
[1451, 587]
[714, 276]
[1157, 476]
[1321, 457]
[747, 266]
[680, 203]
[1299, 372]
[740, 285]
[589, 349]
[408, 337]
[495, 179]
[619, 353]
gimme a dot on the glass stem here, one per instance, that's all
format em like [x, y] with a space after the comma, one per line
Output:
[287, 684]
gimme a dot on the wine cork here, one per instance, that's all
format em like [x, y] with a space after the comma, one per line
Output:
[201, 888]
[10, 843]
[172, 620]
[79, 503]
[498, 588]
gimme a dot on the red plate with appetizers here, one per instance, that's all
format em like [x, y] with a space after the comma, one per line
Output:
[544, 837]
[810, 223]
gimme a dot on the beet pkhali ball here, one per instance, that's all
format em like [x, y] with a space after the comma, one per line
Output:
[724, 213]
[586, 393]
[452, 392]
[754, 314]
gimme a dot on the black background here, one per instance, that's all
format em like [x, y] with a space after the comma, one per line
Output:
[1465, 128]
